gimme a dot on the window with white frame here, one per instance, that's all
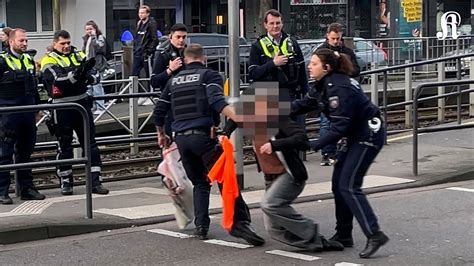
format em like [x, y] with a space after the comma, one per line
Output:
[31, 15]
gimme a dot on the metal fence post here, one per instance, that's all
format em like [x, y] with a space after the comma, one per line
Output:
[458, 99]
[374, 85]
[441, 90]
[133, 110]
[408, 95]
[471, 95]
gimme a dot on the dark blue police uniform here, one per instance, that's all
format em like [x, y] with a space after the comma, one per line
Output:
[17, 130]
[195, 97]
[355, 118]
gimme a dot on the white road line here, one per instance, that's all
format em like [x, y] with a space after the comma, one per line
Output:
[461, 189]
[227, 243]
[403, 137]
[347, 264]
[169, 233]
[293, 255]
[149, 190]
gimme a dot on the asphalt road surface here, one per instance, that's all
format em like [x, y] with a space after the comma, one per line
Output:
[427, 226]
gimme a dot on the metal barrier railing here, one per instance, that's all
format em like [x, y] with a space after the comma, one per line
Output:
[415, 113]
[407, 66]
[87, 146]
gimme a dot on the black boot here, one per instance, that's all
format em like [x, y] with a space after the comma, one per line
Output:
[245, 231]
[201, 232]
[373, 244]
[331, 245]
[31, 194]
[67, 184]
[346, 241]
[6, 200]
[99, 189]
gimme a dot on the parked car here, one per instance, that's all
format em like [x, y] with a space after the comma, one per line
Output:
[450, 67]
[366, 52]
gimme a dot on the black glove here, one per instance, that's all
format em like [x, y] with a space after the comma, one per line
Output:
[82, 72]
[229, 127]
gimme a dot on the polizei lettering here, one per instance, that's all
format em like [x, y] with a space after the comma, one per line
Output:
[185, 79]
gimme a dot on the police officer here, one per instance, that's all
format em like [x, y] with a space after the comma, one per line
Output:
[169, 60]
[276, 56]
[354, 118]
[66, 80]
[17, 130]
[334, 42]
[195, 97]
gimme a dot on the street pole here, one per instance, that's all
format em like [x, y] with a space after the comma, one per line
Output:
[142, 2]
[56, 15]
[234, 82]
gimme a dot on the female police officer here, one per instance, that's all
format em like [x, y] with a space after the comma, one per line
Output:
[357, 121]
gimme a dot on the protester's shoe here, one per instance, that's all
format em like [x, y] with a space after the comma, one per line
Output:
[100, 190]
[325, 161]
[67, 184]
[6, 200]
[331, 245]
[201, 232]
[373, 244]
[347, 242]
[148, 102]
[245, 231]
[31, 194]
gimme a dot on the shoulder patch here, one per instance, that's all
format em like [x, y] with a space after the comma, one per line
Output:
[334, 102]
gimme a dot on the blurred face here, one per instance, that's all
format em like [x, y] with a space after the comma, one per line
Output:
[334, 38]
[90, 30]
[274, 26]
[3, 36]
[62, 45]
[19, 43]
[143, 14]
[178, 39]
[316, 68]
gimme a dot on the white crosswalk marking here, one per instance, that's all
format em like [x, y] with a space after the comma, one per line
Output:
[169, 233]
[293, 255]
[227, 244]
[461, 189]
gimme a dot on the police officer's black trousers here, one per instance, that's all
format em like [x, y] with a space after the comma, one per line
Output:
[198, 155]
[67, 122]
[17, 137]
[347, 179]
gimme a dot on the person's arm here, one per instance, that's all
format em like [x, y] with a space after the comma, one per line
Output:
[307, 104]
[257, 68]
[54, 75]
[161, 108]
[303, 78]
[151, 45]
[99, 44]
[161, 72]
[296, 138]
[353, 57]
[342, 109]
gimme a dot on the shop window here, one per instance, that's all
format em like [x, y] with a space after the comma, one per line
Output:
[37, 17]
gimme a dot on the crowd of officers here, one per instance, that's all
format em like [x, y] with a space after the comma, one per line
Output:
[188, 111]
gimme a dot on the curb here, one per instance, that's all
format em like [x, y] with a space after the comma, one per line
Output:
[40, 232]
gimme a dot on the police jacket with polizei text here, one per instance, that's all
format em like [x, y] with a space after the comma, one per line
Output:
[343, 101]
[262, 68]
[212, 83]
[18, 84]
[344, 50]
[58, 69]
[290, 139]
[163, 55]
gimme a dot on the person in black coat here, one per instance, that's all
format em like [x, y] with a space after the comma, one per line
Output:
[334, 42]
[277, 140]
[356, 122]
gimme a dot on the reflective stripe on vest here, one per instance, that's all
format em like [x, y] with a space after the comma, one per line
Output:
[271, 49]
[65, 61]
[15, 63]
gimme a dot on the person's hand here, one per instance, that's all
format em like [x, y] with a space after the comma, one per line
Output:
[93, 33]
[163, 141]
[280, 60]
[38, 116]
[266, 148]
[175, 64]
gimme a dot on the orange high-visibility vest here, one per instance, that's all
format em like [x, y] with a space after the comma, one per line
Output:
[224, 173]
